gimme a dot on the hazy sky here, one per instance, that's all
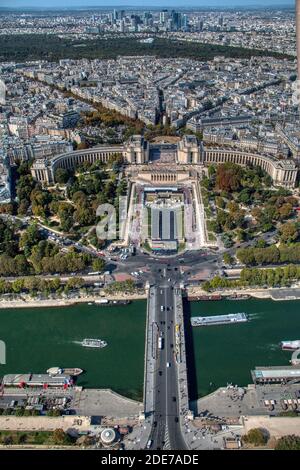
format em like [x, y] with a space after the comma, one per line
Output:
[141, 3]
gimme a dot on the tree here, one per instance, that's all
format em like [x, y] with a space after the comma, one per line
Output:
[21, 438]
[23, 207]
[211, 171]
[66, 223]
[54, 413]
[59, 437]
[220, 202]
[7, 440]
[285, 211]
[98, 265]
[256, 436]
[84, 216]
[65, 213]
[29, 238]
[288, 232]
[79, 198]
[62, 176]
[228, 177]
[261, 243]
[228, 259]
[288, 443]
[20, 412]
[25, 185]
[245, 196]
[21, 264]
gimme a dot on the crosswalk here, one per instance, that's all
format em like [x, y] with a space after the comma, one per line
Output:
[167, 445]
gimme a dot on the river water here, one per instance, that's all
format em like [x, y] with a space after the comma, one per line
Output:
[226, 354]
[37, 339]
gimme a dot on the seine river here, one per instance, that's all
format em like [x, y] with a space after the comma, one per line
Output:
[226, 354]
[37, 339]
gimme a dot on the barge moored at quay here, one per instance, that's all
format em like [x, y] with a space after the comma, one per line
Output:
[215, 297]
[276, 374]
[104, 302]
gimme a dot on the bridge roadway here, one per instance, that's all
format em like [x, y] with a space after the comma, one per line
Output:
[166, 427]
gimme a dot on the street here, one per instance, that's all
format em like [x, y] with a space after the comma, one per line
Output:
[166, 433]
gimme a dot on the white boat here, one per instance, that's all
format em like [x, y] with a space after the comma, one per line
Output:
[290, 345]
[220, 319]
[93, 343]
[74, 371]
[102, 302]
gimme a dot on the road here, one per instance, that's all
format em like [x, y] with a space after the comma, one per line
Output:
[166, 432]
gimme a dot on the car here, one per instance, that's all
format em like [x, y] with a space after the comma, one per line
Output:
[149, 444]
[160, 373]
[176, 419]
[174, 398]
[168, 364]
[162, 308]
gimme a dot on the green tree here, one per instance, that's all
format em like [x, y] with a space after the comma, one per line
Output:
[62, 176]
[98, 264]
[59, 437]
[288, 232]
[256, 436]
[288, 443]
[228, 259]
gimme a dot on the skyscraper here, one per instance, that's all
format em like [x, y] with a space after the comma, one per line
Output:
[2, 92]
[163, 16]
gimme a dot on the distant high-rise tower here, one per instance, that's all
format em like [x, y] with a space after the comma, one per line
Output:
[2, 92]
[163, 16]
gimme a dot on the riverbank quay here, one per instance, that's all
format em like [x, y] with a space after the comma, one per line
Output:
[92, 411]
[276, 427]
[231, 402]
[276, 294]
[25, 301]
[45, 423]
[103, 403]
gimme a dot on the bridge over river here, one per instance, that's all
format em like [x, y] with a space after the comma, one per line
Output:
[166, 399]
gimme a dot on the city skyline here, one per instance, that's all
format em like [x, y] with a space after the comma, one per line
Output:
[150, 227]
[225, 4]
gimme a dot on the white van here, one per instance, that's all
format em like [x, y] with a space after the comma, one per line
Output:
[149, 443]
